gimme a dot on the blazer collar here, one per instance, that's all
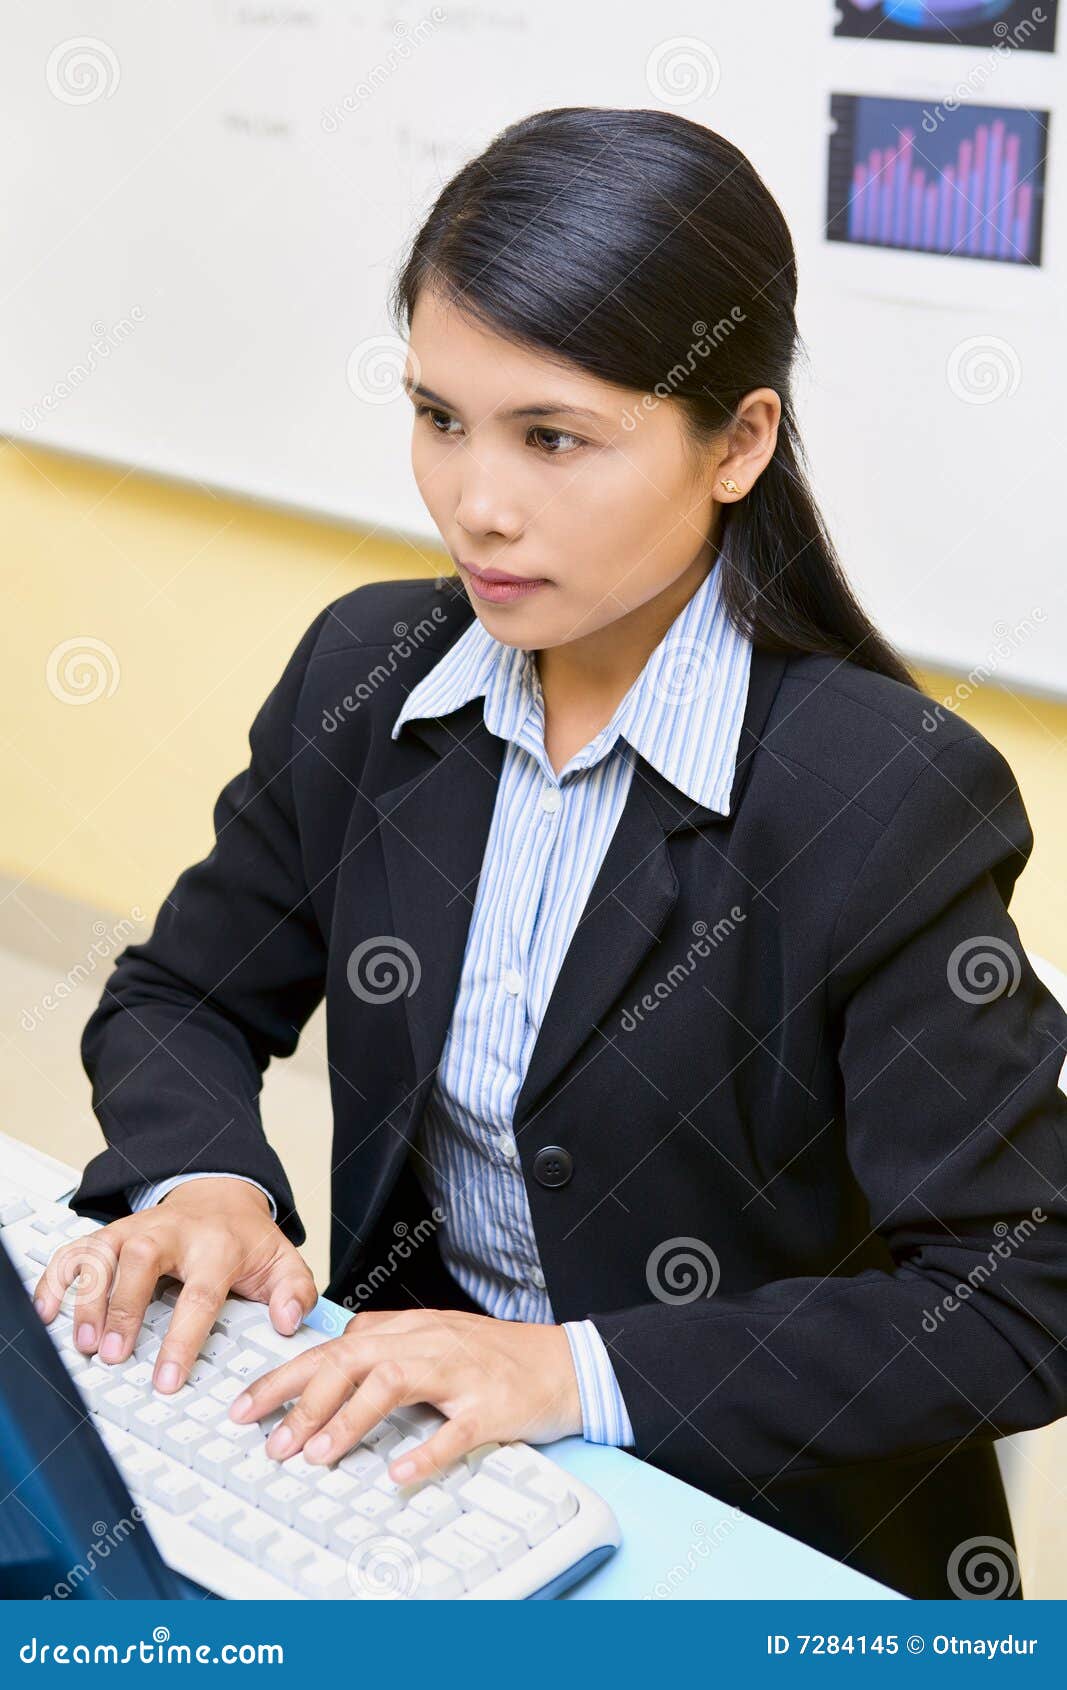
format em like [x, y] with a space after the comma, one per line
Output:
[433, 831]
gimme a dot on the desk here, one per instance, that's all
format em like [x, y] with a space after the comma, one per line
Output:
[677, 1542]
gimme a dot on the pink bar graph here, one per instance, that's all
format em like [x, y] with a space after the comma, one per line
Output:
[975, 204]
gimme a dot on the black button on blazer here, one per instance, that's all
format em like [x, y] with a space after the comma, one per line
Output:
[805, 1036]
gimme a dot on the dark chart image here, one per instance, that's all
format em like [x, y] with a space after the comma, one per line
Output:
[966, 182]
[1018, 24]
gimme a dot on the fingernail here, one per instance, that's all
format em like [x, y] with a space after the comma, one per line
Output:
[280, 1440]
[111, 1348]
[318, 1446]
[293, 1313]
[38, 1303]
[403, 1470]
[86, 1336]
[167, 1377]
[240, 1405]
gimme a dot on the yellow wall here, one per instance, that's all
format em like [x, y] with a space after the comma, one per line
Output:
[202, 598]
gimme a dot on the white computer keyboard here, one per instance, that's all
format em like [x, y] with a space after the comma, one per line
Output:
[506, 1521]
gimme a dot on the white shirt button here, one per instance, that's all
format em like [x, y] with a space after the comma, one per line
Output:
[512, 980]
[506, 1145]
[551, 799]
[537, 1278]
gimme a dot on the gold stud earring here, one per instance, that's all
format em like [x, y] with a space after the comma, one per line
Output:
[731, 486]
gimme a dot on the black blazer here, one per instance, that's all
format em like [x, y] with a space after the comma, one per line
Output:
[805, 1036]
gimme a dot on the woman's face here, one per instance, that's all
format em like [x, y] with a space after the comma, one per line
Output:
[535, 468]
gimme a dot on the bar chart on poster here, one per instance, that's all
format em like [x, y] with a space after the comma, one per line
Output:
[204, 219]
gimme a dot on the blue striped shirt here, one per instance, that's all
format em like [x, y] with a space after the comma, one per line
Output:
[683, 714]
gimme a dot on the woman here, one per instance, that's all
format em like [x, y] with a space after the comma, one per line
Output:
[645, 895]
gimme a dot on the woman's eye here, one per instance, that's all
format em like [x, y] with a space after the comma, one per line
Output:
[549, 450]
[429, 411]
[558, 434]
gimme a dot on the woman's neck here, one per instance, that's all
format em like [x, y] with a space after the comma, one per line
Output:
[584, 680]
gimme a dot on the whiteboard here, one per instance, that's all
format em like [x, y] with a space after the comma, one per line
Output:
[205, 205]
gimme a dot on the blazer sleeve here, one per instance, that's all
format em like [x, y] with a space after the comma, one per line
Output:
[234, 966]
[949, 1051]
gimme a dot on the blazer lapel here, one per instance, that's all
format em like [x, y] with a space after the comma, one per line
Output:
[434, 828]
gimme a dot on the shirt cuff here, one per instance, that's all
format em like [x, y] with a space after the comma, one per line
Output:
[147, 1195]
[604, 1416]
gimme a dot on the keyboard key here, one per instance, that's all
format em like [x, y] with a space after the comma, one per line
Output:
[335, 1483]
[202, 1373]
[250, 1535]
[247, 1364]
[216, 1347]
[502, 1542]
[552, 1489]
[374, 1505]
[286, 1554]
[238, 1436]
[298, 1467]
[325, 1576]
[137, 1373]
[473, 1564]
[475, 1457]
[509, 1464]
[151, 1421]
[362, 1465]
[251, 1473]
[417, 1419]
[524, 1513]
[349, 1534]
[157, 1317]
[411, 1527]
[94, 1382]
[120, 1403]
[214, 1459]
[226, 1389]
[435, 1504]
[216, 1514]
[317, 1519]
[176, 1490]
[393, 1487]
[234, 1317]
[437, 1581]
[282, 1498]
[138, 1468]
[51, 1217]
[267, 1337]
[205, 1410]
[117, 1441]
[182, 1438]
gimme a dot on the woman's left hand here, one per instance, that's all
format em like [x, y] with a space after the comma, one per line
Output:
[493, 1380]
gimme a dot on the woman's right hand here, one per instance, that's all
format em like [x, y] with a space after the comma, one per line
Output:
[214, 1234]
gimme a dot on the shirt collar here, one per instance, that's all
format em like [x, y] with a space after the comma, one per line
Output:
[683, 713]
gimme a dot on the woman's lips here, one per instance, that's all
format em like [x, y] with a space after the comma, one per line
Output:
[499, 592]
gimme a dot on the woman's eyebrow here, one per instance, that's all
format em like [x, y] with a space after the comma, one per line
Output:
[545, 409]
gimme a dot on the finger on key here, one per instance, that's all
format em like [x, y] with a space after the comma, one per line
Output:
[88, 1265]
[194, 1314]
[139, 1267]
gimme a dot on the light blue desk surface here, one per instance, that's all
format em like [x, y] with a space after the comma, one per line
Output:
[678, 1542]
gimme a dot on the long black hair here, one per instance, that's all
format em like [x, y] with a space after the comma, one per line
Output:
[645, 249]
